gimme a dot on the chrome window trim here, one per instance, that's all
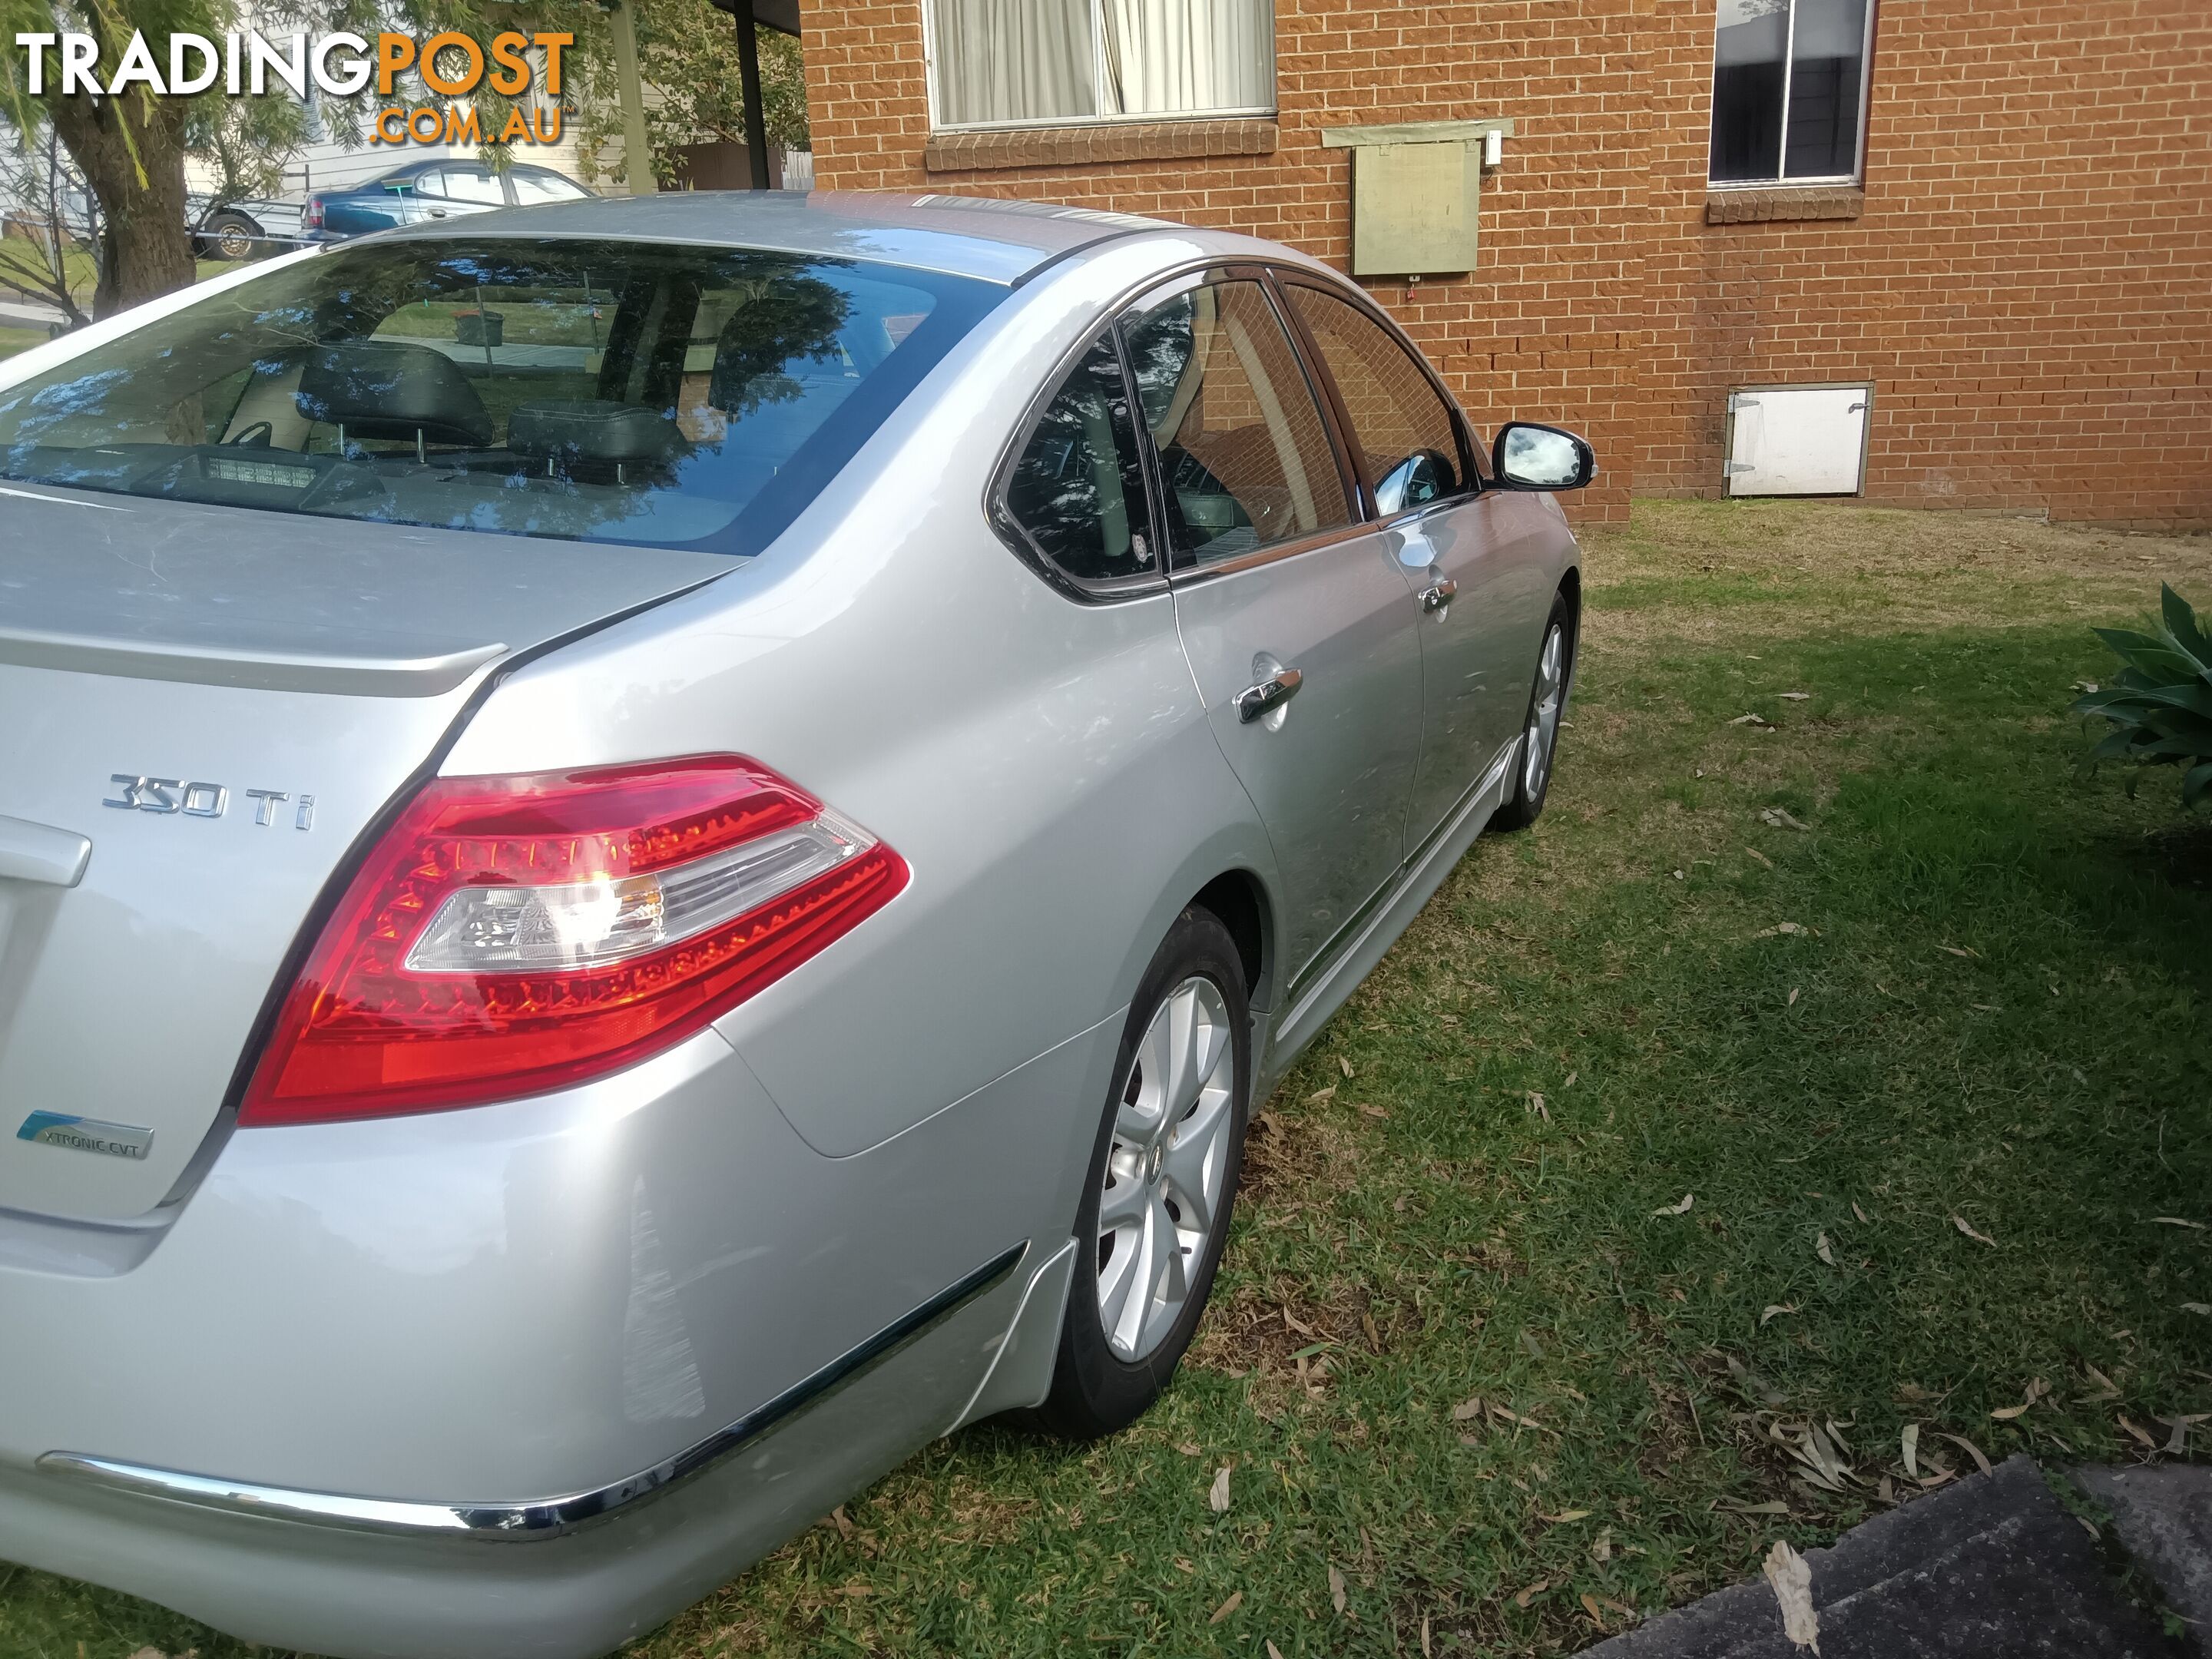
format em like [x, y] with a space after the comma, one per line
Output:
[1273, 552]
[1009, 529]
[1270, 274]
[1260, 273]
[535, 1520]
[1000, 518]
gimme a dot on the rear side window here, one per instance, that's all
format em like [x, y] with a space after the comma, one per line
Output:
[666, 395]
[1244, 453]
[531, 186]
[1399, 420]
[1077, 489]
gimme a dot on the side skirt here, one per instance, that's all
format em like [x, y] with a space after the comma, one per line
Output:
[1418, 878]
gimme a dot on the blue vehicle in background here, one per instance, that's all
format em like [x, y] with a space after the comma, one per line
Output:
[448, 187]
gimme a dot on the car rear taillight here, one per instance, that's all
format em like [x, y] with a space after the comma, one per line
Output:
[510, 935]
[313, 216]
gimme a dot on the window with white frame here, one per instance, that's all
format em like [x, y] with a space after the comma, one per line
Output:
[1789, 90]
[1040, 62]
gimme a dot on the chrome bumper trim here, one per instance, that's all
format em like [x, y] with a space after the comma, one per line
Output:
[547, 1517]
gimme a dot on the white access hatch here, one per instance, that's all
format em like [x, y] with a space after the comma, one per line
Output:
[1798, 439]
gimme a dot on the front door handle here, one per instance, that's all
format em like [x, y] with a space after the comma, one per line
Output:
[1437, 595]
[1271, 694]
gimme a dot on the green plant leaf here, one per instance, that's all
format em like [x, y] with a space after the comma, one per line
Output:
[2181, 623]
[2196, 698]
[2160, 658]
[2196, 784]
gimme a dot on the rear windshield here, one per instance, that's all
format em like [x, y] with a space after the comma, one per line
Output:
[674, 397]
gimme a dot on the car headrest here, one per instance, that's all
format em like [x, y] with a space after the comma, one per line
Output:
[592, 429]
[388, 389]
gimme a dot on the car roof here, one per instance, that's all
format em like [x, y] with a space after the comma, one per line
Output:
[999, 241]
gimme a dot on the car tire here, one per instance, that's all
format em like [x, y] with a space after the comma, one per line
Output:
[230, 236]
[1171, 1146]
[1539, 732]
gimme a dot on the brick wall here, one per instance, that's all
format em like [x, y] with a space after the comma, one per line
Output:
[2028, 276]
[2028, 282]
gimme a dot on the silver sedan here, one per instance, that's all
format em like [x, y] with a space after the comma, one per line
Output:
[651, 852]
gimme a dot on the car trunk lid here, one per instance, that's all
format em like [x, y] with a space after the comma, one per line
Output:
[220, 702]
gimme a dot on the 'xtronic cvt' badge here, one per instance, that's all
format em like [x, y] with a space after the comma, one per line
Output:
[86, 1134]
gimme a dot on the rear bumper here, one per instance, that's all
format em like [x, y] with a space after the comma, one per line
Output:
[580, 1591]
[534, 1520]
[366, 1362]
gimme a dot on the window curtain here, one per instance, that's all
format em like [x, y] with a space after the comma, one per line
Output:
[1177, 56]
[1012, 60]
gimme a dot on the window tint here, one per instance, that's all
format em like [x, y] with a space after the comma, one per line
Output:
[1402, 426]
[531, 186]
[1787, 75]
[1078, 489]
[673, 395]
[1243, 452]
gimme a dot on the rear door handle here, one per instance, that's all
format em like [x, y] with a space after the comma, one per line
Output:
[1271, 694]
[1437, 595]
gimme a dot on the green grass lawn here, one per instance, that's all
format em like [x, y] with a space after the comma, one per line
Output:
[1873, 971]
[13, 340]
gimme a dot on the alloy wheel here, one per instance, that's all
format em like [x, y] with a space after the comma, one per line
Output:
[1163, 1195]
[1544, 714]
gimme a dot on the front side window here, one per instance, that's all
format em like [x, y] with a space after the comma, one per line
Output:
[1401, 421]
[1788, 85]
[1244, 454]
[663, 395]
[1028, 63]
[1078, 489]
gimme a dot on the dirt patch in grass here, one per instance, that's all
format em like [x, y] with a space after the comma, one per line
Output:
[1711, 571]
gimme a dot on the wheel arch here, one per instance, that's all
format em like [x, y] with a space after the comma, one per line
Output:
[1239, 899]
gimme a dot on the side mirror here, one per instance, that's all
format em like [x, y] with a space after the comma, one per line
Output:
[1530, 457]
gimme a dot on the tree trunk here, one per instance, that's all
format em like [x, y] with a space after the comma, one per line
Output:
[146, 247]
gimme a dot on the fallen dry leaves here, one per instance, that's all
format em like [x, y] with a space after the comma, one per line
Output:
[1792, 1579]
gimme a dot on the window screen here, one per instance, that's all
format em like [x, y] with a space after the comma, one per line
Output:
[1244, 453]
[1402, 425]
[1788, 77]
[1078, 489]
